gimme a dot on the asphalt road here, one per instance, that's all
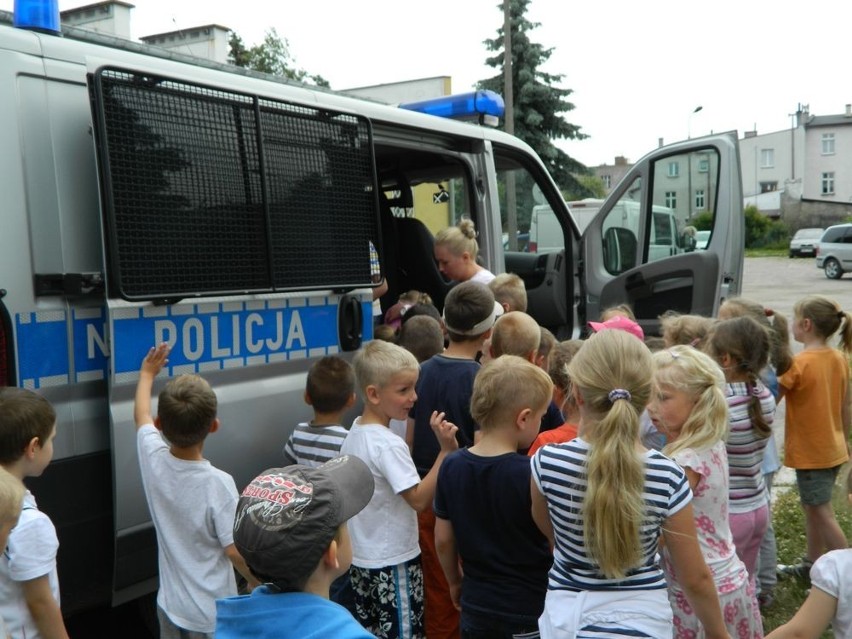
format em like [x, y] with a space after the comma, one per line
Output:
[778, 283]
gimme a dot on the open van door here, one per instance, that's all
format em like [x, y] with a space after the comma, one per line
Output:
[699, 181]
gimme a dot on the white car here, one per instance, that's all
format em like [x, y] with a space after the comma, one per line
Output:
[702, 238]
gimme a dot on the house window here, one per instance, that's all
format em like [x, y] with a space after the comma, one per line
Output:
[767, 158]
[767, 187]
[828, 183]
[703, 166]
[828, 143]
[699, 199]
[671, 198]
[607, 181]
[674, 169]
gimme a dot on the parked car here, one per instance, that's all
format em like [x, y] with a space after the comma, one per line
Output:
[702, 238]
[804, 242]
[834, 251]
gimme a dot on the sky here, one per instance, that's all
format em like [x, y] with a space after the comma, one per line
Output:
[637, 70]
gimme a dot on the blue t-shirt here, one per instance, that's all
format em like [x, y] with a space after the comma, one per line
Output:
[445, 385]
[506, 558]
[267, 614]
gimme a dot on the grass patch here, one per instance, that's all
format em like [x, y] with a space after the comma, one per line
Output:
[767, 252]
[789, 522]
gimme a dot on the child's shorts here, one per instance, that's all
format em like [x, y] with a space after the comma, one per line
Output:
[389, 600]
[816, 485]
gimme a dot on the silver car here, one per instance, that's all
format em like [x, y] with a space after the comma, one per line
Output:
[834, 251]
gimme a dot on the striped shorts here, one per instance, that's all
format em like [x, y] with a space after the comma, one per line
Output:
[389, 600]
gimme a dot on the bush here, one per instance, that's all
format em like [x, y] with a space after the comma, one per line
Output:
[763, 232]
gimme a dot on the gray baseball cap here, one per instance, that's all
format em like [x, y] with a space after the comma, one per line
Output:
[287, 517]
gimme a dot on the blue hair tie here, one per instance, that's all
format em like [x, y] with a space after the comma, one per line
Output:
[619, 393]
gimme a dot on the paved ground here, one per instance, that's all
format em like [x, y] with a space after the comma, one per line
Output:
[778, 283]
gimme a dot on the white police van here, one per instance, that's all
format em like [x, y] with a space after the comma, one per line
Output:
[149, 196]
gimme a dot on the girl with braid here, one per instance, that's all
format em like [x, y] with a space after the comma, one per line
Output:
[741, 347]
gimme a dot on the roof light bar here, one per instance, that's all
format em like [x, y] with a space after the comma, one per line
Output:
[37, 15]
[485, 107]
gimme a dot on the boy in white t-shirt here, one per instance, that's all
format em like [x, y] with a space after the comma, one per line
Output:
[11, 501]
[192, 503]
[29, 584]
[386, 573]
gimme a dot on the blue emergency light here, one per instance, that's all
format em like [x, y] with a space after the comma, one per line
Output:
[38, 15]
[485, 107]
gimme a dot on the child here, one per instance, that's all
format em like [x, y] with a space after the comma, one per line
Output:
[741, 347]
[482, 507]
[817, 421]
[510, 292]
[688, 404]
[563, 396]
[195, 537]
[291, 528]
[780, 359]
[422, 336]
[619, 310]
[393, 317]
[620, 323]
[330, 391]
[685, 329]
[11, 502]
[605, 500]
[830, 598]
[456, 250]
[515, 333]
[29, 585]
[445, 384]
[385, 549]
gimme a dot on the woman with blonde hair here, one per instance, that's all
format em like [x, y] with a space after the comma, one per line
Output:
[456, 250]
[604, 501]
[688, 404]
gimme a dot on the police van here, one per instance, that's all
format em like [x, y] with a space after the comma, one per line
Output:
[152, 197]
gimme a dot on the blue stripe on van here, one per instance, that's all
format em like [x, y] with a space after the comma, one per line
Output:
[204, 336]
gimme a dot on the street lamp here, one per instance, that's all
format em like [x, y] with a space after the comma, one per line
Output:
[689, 121]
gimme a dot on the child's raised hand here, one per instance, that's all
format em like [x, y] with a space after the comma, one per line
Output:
[445, 431]
[154, 361]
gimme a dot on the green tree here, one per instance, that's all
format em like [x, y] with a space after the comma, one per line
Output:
[592, 185]
[270, 56]
[539, 104]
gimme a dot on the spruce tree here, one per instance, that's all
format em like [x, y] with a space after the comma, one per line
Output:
[539, 103]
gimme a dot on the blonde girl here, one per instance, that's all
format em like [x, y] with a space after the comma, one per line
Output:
[456, 250]
[688, 405]
[816, 431]
[604, 501]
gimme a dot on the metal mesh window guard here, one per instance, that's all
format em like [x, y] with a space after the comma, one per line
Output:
[208, 191]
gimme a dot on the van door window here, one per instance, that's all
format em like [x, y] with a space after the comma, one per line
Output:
[675, 221]
[537, 227]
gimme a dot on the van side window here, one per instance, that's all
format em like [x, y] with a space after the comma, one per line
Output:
[208, 191]
[675, 221]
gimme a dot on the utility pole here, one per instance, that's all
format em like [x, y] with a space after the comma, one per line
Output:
[509, 117]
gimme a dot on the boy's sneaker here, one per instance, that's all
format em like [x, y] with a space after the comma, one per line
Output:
[765, 600]
[801, 570]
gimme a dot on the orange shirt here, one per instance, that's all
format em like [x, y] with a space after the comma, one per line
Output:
[815, 391]
[564, 433]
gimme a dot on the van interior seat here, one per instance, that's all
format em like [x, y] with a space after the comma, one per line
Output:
[417, 267]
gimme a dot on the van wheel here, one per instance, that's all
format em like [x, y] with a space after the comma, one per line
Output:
[832, 269]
